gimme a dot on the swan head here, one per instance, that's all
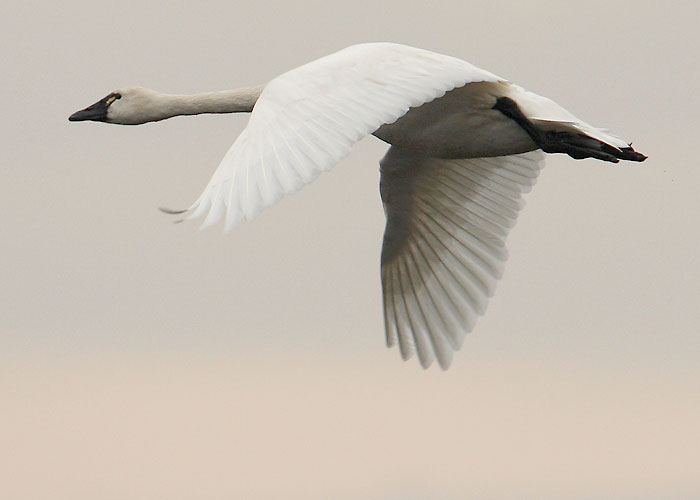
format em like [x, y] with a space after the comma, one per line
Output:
[126, 106]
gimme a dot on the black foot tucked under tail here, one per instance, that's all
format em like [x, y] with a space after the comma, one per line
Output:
[574, 144]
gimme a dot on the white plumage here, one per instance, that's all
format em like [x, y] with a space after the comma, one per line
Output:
[308, 119]
[465, 147]
[444, 244]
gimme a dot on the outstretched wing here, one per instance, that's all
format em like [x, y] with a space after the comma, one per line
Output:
[444, 244]
[308, 119]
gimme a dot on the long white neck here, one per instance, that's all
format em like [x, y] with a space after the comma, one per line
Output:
[225, 101]
[141, 105]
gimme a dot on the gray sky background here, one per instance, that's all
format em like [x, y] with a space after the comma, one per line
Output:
[141, 359]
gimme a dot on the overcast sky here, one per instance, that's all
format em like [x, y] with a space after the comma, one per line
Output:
[141, 359]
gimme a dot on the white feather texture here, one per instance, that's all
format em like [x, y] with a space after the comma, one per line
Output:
[451, 183]
[308, 119]
[444, 244]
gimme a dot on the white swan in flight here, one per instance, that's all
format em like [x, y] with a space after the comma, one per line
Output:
[465, 145]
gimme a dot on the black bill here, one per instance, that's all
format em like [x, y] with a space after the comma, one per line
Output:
[96, 113]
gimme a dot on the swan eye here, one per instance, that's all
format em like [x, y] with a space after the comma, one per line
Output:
[112, 98]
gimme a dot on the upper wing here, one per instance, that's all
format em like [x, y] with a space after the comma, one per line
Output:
[308, 119]
[444, 244]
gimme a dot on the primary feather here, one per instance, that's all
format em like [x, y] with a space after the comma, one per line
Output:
[444, 243]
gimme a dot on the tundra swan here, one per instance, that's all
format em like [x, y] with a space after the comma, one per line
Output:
[465, 145]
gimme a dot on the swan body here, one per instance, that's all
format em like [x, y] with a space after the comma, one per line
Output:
[465, 145]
